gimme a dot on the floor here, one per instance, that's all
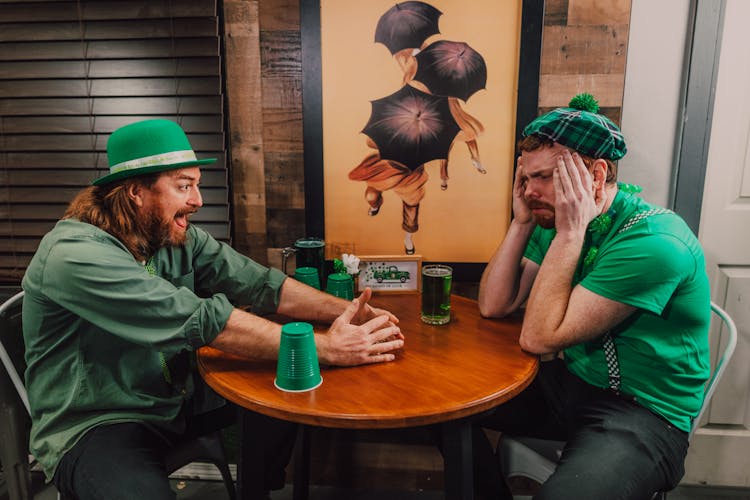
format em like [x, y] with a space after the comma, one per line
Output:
[192, 489]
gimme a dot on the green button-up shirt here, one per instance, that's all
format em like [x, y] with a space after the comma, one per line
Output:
[106, 339]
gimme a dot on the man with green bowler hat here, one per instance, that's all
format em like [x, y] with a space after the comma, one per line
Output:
[120, 293]
[618, 287]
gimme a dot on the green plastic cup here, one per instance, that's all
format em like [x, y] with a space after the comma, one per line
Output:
[297, 369]
[308, 275]
[340, 285]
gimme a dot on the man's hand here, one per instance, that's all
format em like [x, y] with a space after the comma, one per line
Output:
[366, 312]
[348, 344]
[521, 211]
[575, 203]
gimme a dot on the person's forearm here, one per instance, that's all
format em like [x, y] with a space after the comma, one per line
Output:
[302, 302]
[248, 335]
[500, 288]
[550, 295]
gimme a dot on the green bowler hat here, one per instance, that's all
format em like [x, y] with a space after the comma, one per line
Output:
[148, 146]
[580, 127]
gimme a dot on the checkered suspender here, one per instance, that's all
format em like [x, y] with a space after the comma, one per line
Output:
[610, 350]
[613, 364]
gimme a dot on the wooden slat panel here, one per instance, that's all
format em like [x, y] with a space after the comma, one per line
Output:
[584, 49]
[280, 53]
[556, 90]
[71, 177]
[189, 66]
[106, 10]
[555, 12]
[111, 87]
[282, 130]
[285, 225]
[63, 194]
[279, 15]
[50, 211]
[36, 211]
[283, 92]
[88, 142]
[111, 106]
[109, 49]
[598, 12]
[108, 30]
[19, 245]
[243, 86]
[102, 124]
[285, 187]
[63, 160]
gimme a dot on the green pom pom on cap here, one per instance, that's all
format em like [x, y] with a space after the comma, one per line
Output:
[584, 102]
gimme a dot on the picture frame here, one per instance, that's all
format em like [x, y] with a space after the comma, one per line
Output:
[526, 109]
[390, 273]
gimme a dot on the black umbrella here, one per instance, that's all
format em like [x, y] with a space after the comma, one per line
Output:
[412, 127]
[407, 25]
[451, 69]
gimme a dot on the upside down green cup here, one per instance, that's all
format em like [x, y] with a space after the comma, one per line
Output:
[297, 369]
[340, 285]
[308, 276]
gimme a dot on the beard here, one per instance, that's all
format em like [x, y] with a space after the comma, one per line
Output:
[158, 233]
[546, 222]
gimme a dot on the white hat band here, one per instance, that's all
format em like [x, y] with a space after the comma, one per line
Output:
[169, 158]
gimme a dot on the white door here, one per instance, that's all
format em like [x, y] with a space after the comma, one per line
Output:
[719, 452]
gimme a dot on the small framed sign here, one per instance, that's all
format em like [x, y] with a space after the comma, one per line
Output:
[390, 273]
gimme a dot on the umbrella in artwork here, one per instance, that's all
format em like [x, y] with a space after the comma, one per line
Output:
[412, 127]
[407, 25]
[451, 69]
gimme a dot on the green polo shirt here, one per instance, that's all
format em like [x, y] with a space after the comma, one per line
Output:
[106, 340]
[649, 259]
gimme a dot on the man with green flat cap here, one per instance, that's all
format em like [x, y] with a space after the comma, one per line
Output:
[618, 288]
[123, 290]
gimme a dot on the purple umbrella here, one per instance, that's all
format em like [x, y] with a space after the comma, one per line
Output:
[412, 127]
[407, 25]
[451, 69]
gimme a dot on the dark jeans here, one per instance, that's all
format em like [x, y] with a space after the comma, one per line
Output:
[126, 460]
[615, 448]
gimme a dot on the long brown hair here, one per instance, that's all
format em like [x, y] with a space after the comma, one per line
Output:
[109, 208]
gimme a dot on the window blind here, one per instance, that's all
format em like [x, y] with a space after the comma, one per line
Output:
[70, 74]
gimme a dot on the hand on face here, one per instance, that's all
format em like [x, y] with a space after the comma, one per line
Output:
[576, 202]
[349, 343]
[521, 211]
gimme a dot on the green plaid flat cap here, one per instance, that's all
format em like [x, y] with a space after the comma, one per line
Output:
[581, 128]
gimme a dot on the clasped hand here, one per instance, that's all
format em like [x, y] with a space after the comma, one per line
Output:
[362, 334]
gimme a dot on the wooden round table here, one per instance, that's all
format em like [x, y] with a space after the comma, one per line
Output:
[442, 375]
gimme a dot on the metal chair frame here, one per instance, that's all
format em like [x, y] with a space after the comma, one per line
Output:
[536, 458]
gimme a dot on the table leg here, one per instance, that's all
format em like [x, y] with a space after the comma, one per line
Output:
[302, 464]
[250, 459]
[457, 457]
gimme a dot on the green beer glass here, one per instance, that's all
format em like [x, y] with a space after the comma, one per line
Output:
[436, 294]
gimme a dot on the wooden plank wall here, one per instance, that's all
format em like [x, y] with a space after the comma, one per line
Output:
[584, 48]
[264, 87]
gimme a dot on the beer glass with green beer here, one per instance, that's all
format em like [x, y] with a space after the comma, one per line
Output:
[436, 294]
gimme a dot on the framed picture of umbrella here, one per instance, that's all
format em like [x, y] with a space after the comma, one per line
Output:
[411, 114]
